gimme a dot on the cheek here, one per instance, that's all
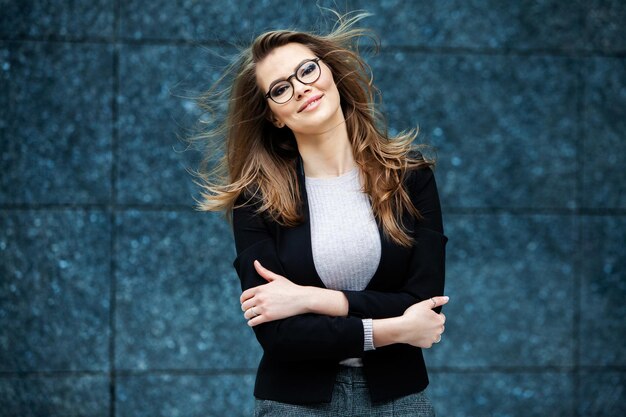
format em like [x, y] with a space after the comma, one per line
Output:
[327, 82]
[282, 112]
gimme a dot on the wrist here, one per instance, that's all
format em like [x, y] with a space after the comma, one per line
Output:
[326, 302]
[311, 298]
[388, 331]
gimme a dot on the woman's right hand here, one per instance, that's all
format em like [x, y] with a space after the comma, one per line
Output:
[421, 325]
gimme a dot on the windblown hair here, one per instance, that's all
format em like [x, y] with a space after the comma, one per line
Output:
[259, 160]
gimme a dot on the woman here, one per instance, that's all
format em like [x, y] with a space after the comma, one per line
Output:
[338, 231]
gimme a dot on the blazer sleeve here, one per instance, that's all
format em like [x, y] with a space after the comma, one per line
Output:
[309, 336]
[427, 263]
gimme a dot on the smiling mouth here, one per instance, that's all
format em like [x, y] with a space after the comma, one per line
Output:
[310, 102]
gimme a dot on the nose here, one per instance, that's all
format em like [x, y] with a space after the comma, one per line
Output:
[299, 89]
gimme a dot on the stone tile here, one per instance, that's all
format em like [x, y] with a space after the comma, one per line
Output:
[54, 396]
[56, 124]
[185, 395]
[504, 127]
[605, 21]
[228, 21]
[158, 110]
[54, 293]
[178, 294]
[602, 394]
[484, 24]
[186, 19]
[511, 285]
[36, 18]
[604, 155]
[602, 326]
[298, 15]
[498, 394]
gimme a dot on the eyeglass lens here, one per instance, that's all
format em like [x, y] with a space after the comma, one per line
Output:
[307, 73]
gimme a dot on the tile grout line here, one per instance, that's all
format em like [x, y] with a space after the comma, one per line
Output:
[451, 210]
[384, 48]
[113, 210]
[450, 369]
[579, 250]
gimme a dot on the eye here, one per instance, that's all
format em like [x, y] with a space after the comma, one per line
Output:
[280, 90]
[308, 69]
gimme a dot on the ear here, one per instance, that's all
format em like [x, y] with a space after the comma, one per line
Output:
[275, 121]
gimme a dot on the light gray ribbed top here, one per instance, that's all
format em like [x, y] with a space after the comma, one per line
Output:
[344, 234]
[344, 237]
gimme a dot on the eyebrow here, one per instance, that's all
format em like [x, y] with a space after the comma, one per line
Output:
[295, 69]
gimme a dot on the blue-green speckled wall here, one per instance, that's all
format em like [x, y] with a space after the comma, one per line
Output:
[118, 299]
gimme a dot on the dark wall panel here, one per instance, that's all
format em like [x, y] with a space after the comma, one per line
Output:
[604, 288]
[604, 154]
[483, 24]
[185, 395]
[55, 396]
[74, 19]
[155, 117]
[56, 123]
[512, 290]
[55, 288]
[177, 294]
[504, 126]
[519, 394]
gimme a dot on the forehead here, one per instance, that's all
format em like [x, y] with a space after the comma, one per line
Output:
[281, 63]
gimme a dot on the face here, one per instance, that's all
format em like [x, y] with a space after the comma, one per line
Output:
[314, 108]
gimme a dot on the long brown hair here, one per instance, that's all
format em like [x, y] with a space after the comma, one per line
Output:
[260, 160]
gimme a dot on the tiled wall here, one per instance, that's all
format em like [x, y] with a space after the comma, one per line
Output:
[118, 299]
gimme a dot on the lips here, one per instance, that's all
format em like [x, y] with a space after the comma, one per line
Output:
[310, 101]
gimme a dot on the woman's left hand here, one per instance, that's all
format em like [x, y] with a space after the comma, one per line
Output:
[278, 299]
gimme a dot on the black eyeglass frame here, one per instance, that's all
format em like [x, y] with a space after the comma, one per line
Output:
[295, 75]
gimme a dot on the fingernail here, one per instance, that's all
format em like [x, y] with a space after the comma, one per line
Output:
[446, 297]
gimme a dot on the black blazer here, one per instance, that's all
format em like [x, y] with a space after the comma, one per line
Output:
[301, 353]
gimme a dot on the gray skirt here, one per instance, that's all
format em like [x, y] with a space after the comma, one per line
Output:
[350, 399]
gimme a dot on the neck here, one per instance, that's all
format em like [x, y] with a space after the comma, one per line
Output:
[327, 154]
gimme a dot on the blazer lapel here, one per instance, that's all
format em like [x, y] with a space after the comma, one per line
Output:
[296, 242]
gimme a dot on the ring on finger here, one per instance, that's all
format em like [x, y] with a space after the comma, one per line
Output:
[438, 340]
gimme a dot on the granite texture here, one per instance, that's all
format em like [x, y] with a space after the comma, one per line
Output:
[521, 100]
[178, 294]
[158, 113]
[477, 24]
[602, 325]
[38, 18]
[504, 127]
[185, 395]
[604, 153]
[187, 19]
[510, 280]
[54, 396]
[604, 22]
[54, 290]
[602, 394]
[502, 394]
[56, 124]
[232, 22]
[547, 24]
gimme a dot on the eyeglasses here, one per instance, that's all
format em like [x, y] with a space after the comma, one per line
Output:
[307, 73]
